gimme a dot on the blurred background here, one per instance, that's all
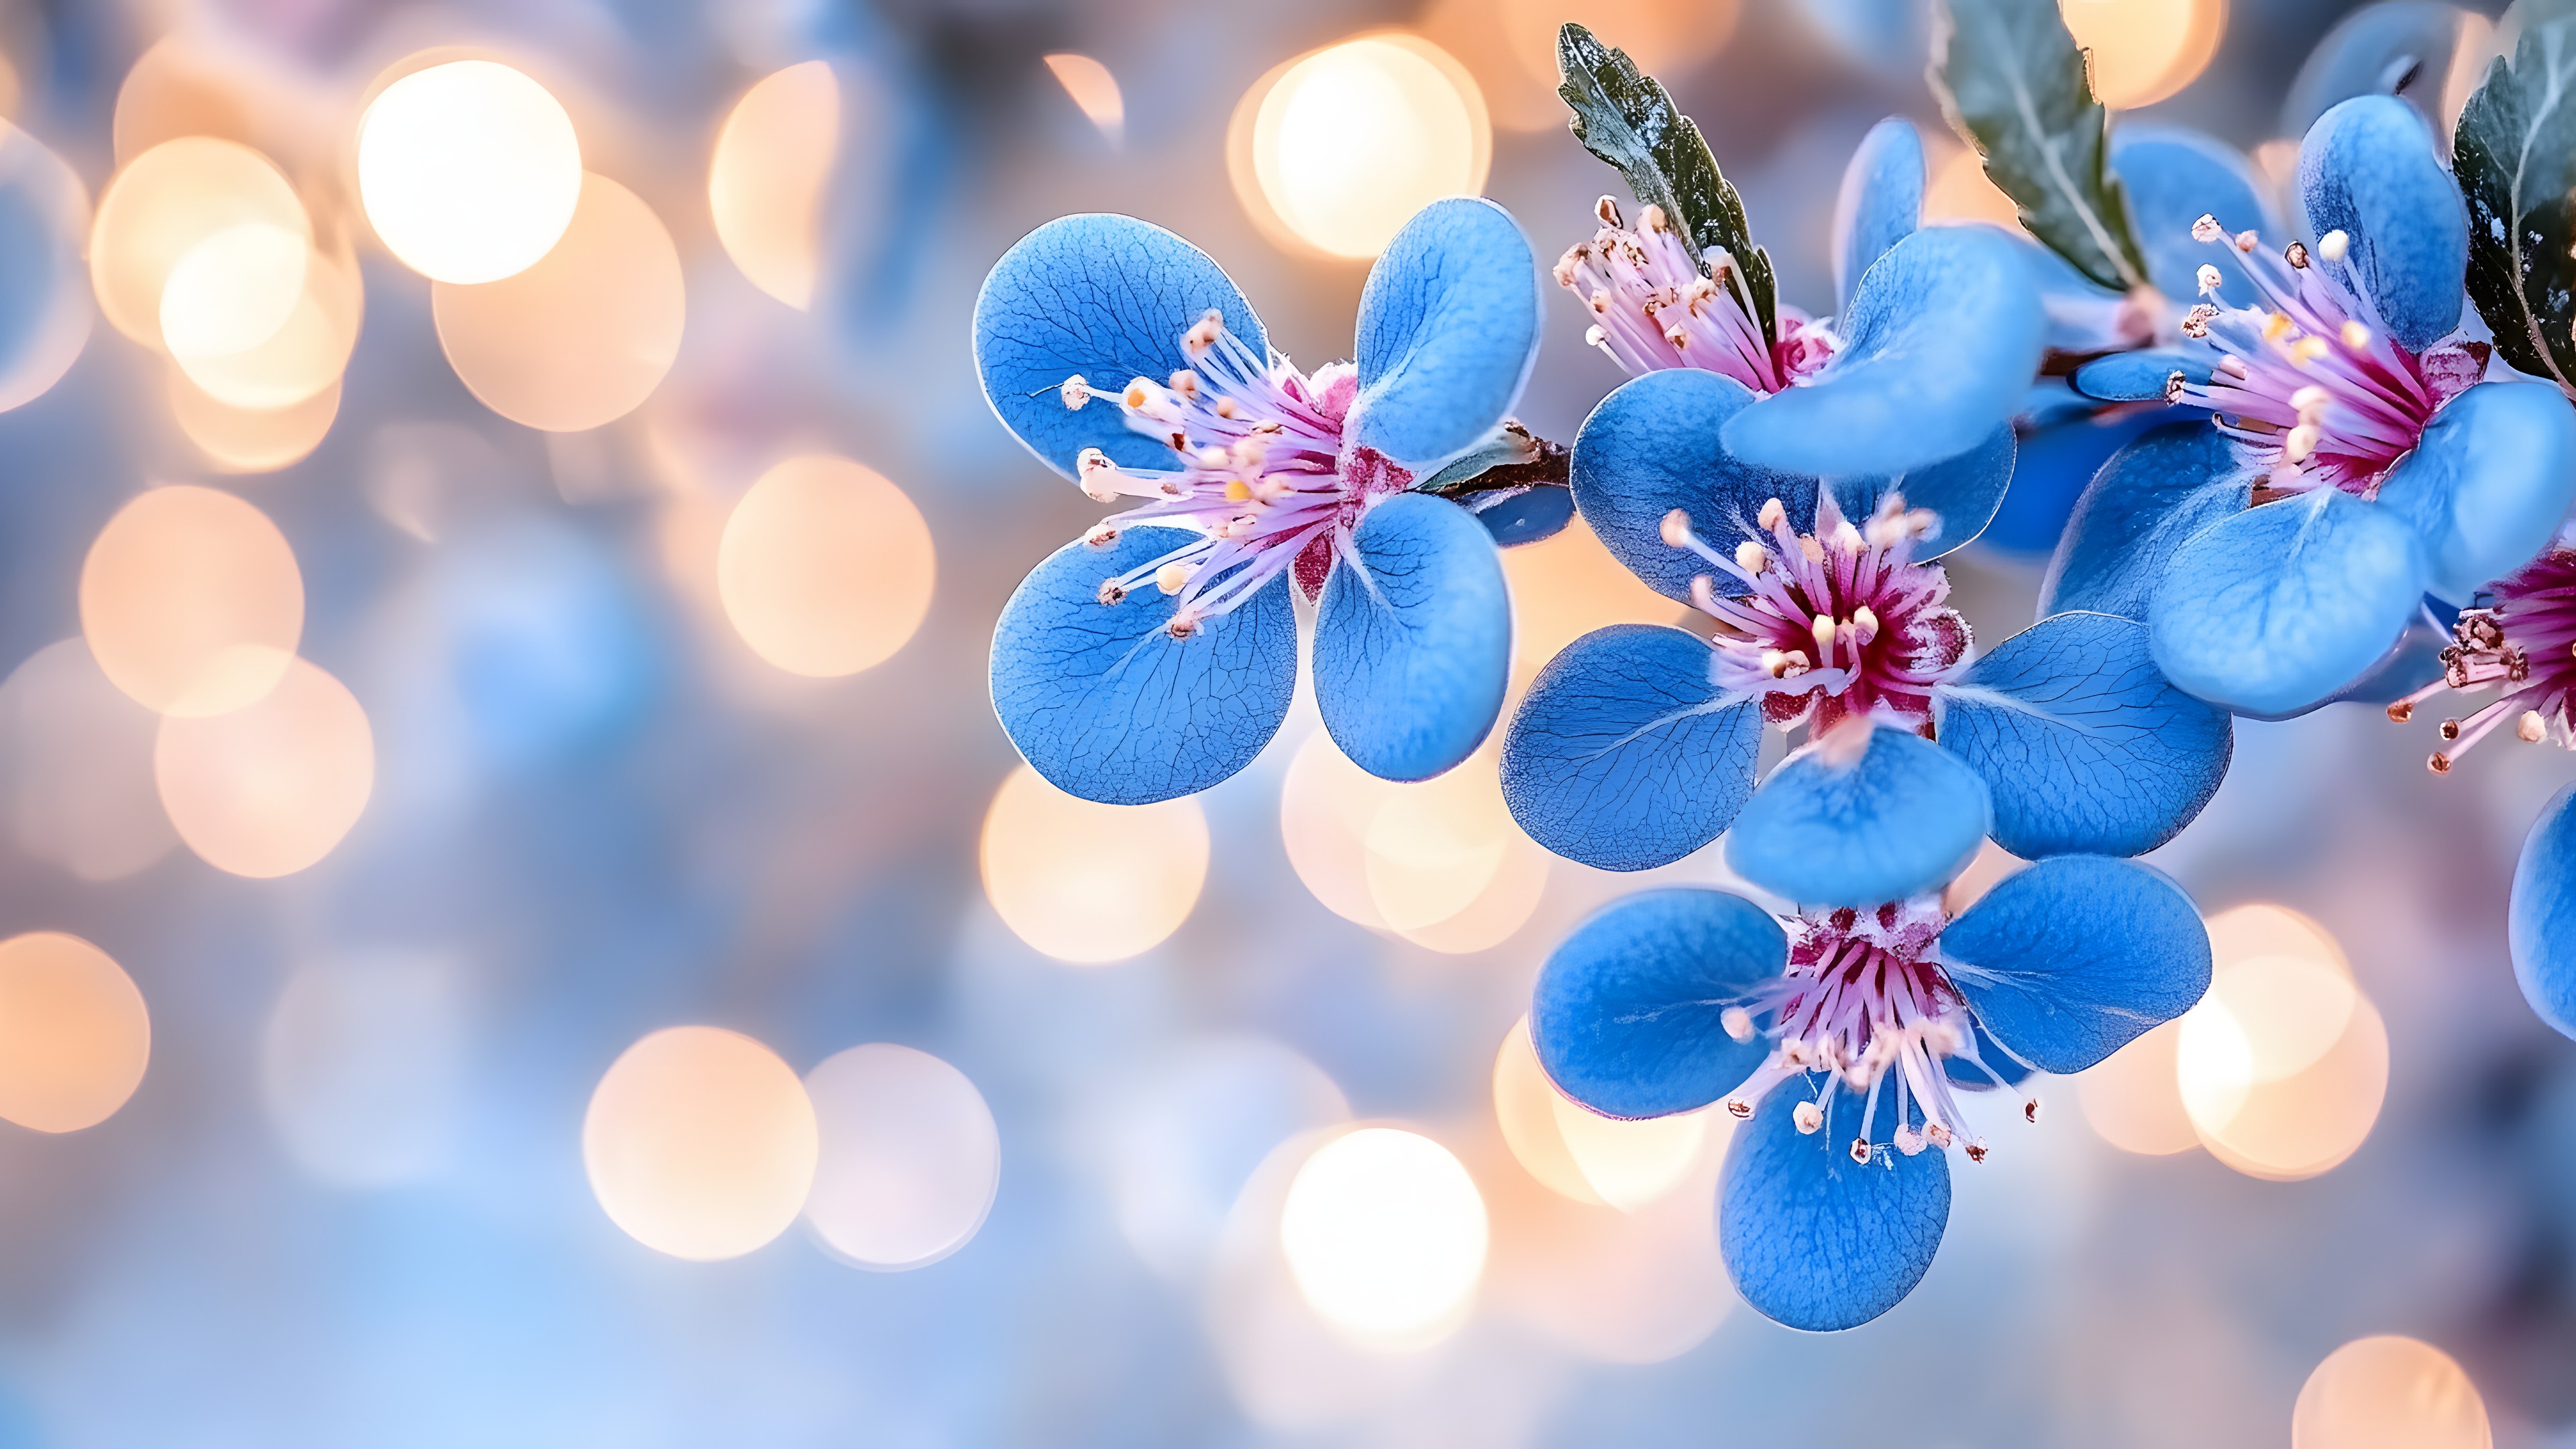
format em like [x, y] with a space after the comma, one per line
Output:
[523, 929]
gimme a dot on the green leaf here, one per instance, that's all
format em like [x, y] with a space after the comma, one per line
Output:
[2011, 80]
[2515, 155]
[1623, 116]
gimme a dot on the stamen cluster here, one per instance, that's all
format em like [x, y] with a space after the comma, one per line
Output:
[1654, 308]
[1829, 625]
[1866, 998]
[1263, 474]
[2308, 380]
[2524, 644]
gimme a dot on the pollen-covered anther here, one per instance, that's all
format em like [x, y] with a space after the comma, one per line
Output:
[2195, 323]
[1976, 1152]
[2439, 764]
[2208, 277]
[1823, 628]
[1676, 529]
[2450, 730]
[1182, 624]
[1203, 335]
[1909, 1141]
[1773, 515]
[2531, 728]
[1752, 557]
[1111, 591]
[2402, 711]
[1607, 210]
[2296, 254]
[2030, 1109]
[1101, 536]
[2207, 229]
[2334, 245]
[2174, 385]
[1861, 1151]
[2302, 442]
[1740, 1109]
[1171, 578]
[2247, 241]
[1737, 1022]
[1076, 392]
[1936, 1134]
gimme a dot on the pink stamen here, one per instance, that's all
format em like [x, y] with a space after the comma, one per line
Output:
[1866, 997]
[2523, 644]
[1829, 625]
[1653, 308]
[1265, 474]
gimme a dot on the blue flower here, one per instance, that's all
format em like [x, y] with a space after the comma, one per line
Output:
[1939, 335]
[1845, 1037]
[2541, 919]
[2357, 462]
[1156, 656]
[1636, 745]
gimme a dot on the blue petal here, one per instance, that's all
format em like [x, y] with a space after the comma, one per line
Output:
[2175, 177]
[2139, 376]
[1654, 446]
[1625, 1017]
[1965, 491]
[1943, 336]
[1448, 329]
[1108, 706]
[2489, 484]
[1533, 515]
[1413, 648]
[2082, 743]
[2068, 961]
[1103, 297]
[2153, 494]
[1622, 755]
[2376, 50]
[1904, 817]
[2541, 921]
[2368, 169]
[1815, 1240]
[2051, 466]
[2273, 609]
[1881, 202]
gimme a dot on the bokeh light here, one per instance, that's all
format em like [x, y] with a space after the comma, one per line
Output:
[469, 171]
[191, 601]
[74, 1035]
[1960, 190]
[2283, 1066]
[1385, 1234]
[295, 360]
[910, 1158]
[44, 303]
[268, 789]
[2133, 1099]
[167, 202]
[76, 767]
[770, 174]
[1581, 1155]
[581, 337]
[1090, 883]
[362, 1067]
[2389, 1392]
[1339, 148]
[1567, 586]
[1093, 89]
[825, 568]
[2145, 50]
[252, 440]
[700, 1143]
[233, 289]
[1439, 862]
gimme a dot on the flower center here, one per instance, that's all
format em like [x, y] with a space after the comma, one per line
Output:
[2524, 644]
[1832, 624]
[1264, 474]
[2309, 381]
[1866, 998]
[1653, 308]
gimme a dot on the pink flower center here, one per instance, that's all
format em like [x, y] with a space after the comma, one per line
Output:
[1653, 308]
[2309, 382]
[2524, 645]
[1833, 624]
[1265, 476]
[1867, 998]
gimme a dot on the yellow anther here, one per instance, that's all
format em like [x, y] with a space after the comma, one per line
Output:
[1823, 629]
[2309, 349]
[2355, 336]
[1139, 393]
[1237, 491]
[2302, 443]
[2276, 327]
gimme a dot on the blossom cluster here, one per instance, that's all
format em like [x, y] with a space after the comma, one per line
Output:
[2330, 483]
